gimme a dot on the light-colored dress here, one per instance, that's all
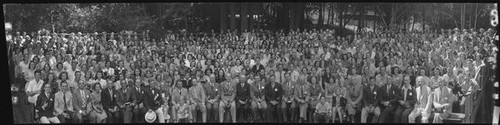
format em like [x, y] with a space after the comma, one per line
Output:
[97, 113]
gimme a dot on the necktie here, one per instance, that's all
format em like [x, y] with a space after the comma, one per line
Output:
[83, 95]
[111, 94]
[64, 98]
[388, 88]
[404, 98]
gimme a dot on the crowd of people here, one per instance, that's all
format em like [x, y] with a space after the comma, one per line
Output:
[300, 76]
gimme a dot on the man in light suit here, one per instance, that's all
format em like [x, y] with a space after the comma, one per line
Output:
[212, 91]
[80, 101]
[442, 102]
[423, 103]
[198, 97]
[124, 101]
[227, 102]
[63, 104]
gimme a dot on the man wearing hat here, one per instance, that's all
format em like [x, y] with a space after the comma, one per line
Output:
[153, 101]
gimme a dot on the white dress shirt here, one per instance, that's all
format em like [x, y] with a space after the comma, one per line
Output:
[33, 85]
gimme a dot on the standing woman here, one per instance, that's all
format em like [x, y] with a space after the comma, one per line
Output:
[29, 73]
[97, 114]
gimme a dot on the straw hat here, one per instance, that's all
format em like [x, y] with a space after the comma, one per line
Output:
[150, 117]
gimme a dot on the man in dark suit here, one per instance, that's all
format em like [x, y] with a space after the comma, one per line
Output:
[406, 101]
[370, 101]
[257, 67]
[80, 100]
[138, 96]
[108, 96]
[153, 101]
[242, 98]
[388, 98]
[124, 101]
[273, 93]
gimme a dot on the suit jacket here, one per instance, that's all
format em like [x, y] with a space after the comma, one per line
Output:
[258, 90]
[422, 95]
[80, 101]
[228, 91]
[43, 98]
[197, 94]
[411, 96]
[257, 68]
[243, 92]
[177, 93]
[392, 96]
[212, 91]
[288, 88]
[443, 96]
[371, 96]
[108, 100]
[138, 96]
[301, 92]
[153, 99]
[124, 97]
[273, 93]
[59, 102]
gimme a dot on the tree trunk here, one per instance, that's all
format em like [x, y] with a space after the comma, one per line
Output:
[320, 19]
[423, 17]
[475, 19]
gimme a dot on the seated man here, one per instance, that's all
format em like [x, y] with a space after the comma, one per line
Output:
[45, 105]
[273, 94]
[212, 91]
[63, 104]
[154, 100]
[108, 96]
[323, 108]
[388, 98]
[370, 101]
[406, 101]
[242, 97]
[124, 101]
[442, 101]
[178, 92]
[302, 97]
[80, 100]
[288, 106]
[258, 106]
[423, 103]
[197, 94]
[227, 101]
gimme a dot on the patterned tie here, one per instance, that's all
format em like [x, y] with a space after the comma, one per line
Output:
[64, 98]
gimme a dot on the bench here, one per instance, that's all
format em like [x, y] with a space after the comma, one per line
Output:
[458, 119]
